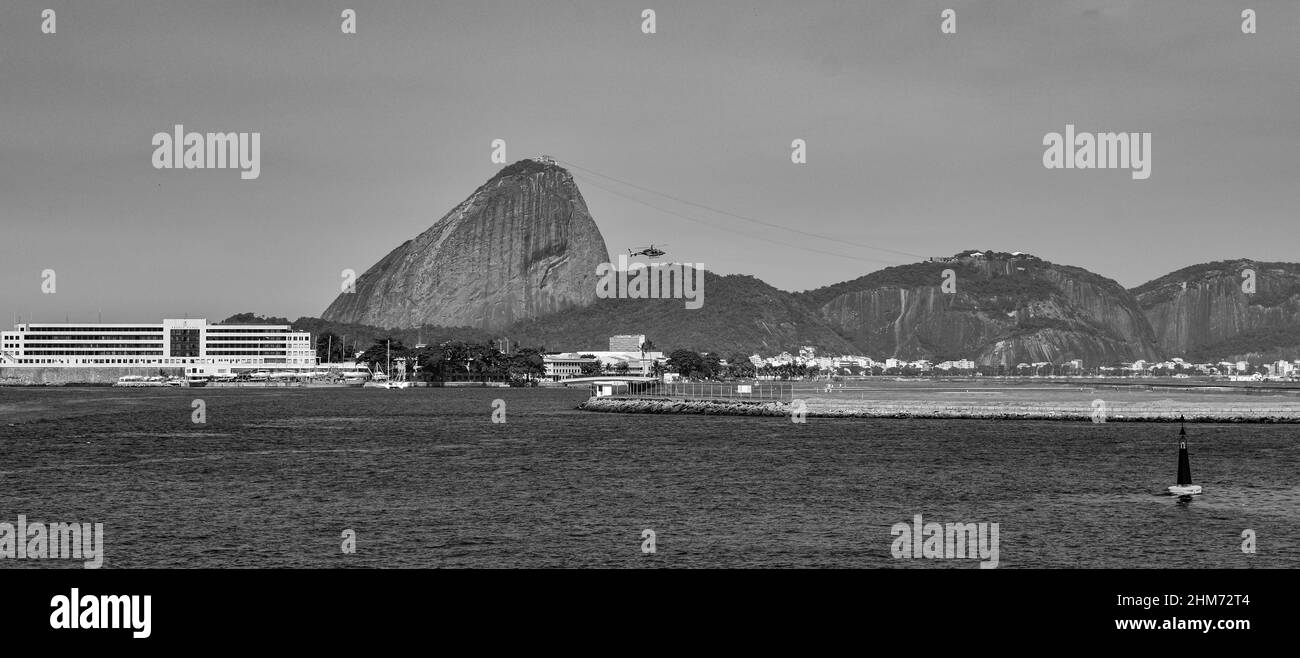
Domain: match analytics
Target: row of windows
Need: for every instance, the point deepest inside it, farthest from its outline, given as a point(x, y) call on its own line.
point(156, 330)
point(246, 339)
point(114, 361)
point(265, 346)
point(154, 338)
point(156, 361)
point(109, 348)
point(31, 345)
point(31, 337)
point(238, 353)
point(96, 353)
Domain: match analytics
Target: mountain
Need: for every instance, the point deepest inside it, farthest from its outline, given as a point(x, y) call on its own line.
point(523, 245)
point(520, 258)
point(740, 314)
point(1203, 312)
point(1006, 309)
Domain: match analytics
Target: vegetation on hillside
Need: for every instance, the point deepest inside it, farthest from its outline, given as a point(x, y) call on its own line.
point(1218, 267)
point(1280, 341)
point(976, 289)
point(740, 314)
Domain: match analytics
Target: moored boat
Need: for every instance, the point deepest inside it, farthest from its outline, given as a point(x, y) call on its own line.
point(139, 381)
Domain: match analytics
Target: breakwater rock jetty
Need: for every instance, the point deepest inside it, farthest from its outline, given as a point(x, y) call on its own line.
point(658, 405)
point(1086, 410)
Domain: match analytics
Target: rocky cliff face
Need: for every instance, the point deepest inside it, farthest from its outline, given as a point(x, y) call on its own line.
point(1006, 310)
point(521, 246)
point(1203, 309)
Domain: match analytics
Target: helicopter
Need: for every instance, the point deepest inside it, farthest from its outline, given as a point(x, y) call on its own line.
point(650, 252)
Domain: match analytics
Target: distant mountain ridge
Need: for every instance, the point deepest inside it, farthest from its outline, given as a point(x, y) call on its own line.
point(519, 259)
point(1005, 309)
point(1203, 310)
point(740, 314)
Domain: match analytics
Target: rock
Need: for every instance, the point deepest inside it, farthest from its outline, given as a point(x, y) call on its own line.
point(521, 246)
point(1006, 310)
point(1202, 310)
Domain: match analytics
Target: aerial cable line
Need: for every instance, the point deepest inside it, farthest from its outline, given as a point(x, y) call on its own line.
point(748, 235)
point(742, 217)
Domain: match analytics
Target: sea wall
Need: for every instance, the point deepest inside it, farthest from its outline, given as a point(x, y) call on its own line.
point(27, 376)
point(1243, 412)
point(631, 405)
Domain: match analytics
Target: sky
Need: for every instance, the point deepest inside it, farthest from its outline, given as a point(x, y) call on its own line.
point(918, 143)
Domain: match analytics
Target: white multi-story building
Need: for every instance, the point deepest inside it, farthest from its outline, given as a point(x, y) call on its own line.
point(568, 365)
point(192, 344)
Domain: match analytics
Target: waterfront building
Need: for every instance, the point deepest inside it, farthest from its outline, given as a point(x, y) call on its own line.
point(195, 345)
point(568, 365)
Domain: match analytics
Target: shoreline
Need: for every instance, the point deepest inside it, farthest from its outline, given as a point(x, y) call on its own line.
point(815, 408)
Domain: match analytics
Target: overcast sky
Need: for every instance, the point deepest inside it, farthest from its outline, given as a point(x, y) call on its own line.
point(918, 143)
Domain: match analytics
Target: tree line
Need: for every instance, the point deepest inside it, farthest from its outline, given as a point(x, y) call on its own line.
point(457, 360)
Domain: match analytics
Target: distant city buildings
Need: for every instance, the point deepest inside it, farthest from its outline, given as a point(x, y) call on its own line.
point(625, 358)
point(962, 364)
point(1174, 367)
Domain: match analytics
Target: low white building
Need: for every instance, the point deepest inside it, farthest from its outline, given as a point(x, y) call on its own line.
point(638, 363)
point(568, 365)
point(193, 344)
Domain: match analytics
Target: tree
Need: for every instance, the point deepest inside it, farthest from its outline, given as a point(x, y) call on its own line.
point(329, 348)
point(526, 363)
point(253, 318)
point(455, 357)
point(740, 366)
point(382, 349)
point(711, 365)
point(590, 368)
point(685, 363)
point(485, 360)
